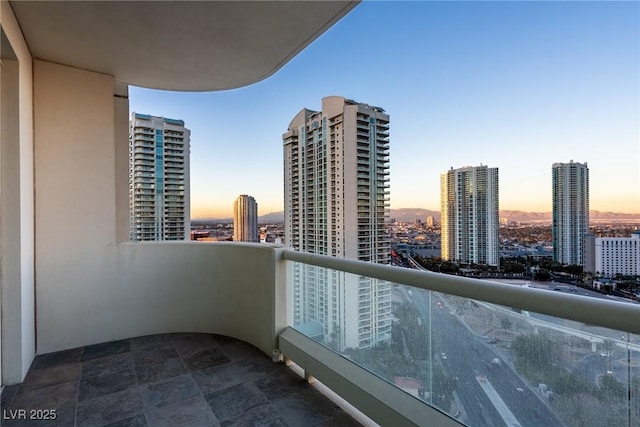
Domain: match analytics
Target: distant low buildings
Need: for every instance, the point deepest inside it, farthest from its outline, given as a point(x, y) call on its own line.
point(199, 235)
point(272, 233)
point(610, 256)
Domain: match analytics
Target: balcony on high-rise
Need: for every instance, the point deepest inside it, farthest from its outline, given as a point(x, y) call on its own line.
point(98, 330)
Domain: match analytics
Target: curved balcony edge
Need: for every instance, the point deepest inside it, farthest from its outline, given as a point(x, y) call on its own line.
point(137, 289)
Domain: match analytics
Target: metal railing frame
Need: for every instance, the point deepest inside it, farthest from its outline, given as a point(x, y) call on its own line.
point(622, 316)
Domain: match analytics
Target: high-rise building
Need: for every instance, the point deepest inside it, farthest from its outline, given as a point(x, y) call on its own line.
point(610, 256)
point(430, 221)
point(469, 219)
point(570, 211)
point(158, 178)
point(336, 178)
point(245, 219)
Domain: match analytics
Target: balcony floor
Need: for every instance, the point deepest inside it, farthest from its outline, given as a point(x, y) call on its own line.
point(167, 380)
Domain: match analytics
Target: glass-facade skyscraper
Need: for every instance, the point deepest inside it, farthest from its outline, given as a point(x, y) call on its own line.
point(245, 219)
point(570, 211)
point(470, 215)
point(158, 178)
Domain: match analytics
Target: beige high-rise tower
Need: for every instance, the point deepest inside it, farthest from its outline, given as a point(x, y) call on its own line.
point(336, 179)
point(245, 219)
point(336, 166)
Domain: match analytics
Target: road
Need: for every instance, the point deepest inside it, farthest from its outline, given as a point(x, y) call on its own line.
point(467, 356)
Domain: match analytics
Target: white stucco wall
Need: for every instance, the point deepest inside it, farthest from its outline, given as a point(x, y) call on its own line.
point(224, 288)
point(161, 287)
point(18, 326)
point(92, 289)
point(75, 196)
point(10, 267)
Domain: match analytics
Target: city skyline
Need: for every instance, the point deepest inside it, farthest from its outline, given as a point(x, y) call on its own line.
point(516, 85)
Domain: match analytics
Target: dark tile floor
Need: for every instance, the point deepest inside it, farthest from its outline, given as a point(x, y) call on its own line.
point(169, 380)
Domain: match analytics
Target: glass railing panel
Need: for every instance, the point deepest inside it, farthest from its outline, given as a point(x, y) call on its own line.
point(481, 363)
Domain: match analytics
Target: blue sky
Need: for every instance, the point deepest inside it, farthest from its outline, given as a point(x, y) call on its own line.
point(514, 85)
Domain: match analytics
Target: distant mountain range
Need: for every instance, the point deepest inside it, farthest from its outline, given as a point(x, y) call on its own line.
point(594, 216)
point(270, 218)
point(411, 214)
point(273, 217)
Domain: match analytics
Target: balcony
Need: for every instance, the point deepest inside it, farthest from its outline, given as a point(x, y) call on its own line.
point(465, 350)
point(73, 288)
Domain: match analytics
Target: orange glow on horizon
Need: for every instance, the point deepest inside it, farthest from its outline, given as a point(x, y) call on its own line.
point(200, 211)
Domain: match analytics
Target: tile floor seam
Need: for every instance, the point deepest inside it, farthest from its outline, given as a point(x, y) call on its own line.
point(146, 410)
point(198, 387)
point(135, 374)
point(184, 365)
point(75, 415)
point(200, 393)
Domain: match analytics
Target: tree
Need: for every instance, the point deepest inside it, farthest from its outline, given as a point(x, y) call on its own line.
point(538, 357)
point(580, 410)
point(505, 323)
point(612, 388)
point(542, 276)
point(443, 387)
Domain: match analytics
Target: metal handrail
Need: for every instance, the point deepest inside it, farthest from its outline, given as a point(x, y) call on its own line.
point(617, 315)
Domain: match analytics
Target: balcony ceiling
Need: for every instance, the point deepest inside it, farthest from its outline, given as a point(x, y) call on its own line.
point(176, 45)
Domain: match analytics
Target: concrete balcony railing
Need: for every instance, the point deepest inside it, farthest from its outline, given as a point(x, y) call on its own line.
point(460, 361)
point(161, 287)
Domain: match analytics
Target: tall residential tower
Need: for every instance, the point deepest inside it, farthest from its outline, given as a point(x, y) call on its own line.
point(336, 178)
point(470, 215)
point(337, 181)
point(158, 178)
point(570, 211)
point(245, 219)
